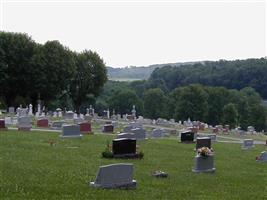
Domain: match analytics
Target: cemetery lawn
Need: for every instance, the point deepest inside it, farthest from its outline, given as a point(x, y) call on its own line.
point(32, 169)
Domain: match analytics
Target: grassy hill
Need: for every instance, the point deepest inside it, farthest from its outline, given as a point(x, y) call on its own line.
point(32, 169)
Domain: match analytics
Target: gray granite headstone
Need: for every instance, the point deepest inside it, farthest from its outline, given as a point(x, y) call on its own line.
point(204, 164)
point(157, 133)
point(126, 135)
point(25, 123)
point(139, 133)
point(22, 112)
point(71, 131)
point(248, 144)
point(8, 121)
point(11, 110)
point(57, 125)
point(115, 176)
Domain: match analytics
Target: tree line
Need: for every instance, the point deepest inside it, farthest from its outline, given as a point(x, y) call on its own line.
point(51, 72)
point(213, 105)
point(235, 74)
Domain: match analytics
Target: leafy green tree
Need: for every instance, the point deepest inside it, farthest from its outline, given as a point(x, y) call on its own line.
point(54, 68)
point(191, 101)
point(155, 103)
point(230, 115)
point(217, 98)
point(258, 114)
point(123, 101)
point(89, 78)
point(16, 51)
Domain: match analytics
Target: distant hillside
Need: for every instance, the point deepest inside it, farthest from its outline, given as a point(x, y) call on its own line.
point(137, 73)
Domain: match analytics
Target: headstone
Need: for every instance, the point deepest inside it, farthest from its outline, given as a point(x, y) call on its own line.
point(187, 136)
point(59, 114)
point(2, 124)
point(139, 133)
point(85, 127)
point(204, 164)
point(108, 128)
point(213, 137)
point(8, 121)
point(157, 133)
point(22, 112)
point(30, 109)
point(203, 142)
point(70, 131)
point(248, 144)
point(24, 123)
point(263, 157)
point(123, 146)
point(77, 120)
point(57, 125)
point(69, 115)
point(127, 129)
point(126, 135)
point(43, 123)
point(11, 110)
point(115, 176)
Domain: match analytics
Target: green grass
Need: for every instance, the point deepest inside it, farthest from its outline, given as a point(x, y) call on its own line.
point(31, 169)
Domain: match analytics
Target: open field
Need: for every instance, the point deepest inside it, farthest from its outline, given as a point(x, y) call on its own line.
point(32, 169)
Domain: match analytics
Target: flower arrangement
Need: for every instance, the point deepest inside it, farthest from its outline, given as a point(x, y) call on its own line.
point(205, 151)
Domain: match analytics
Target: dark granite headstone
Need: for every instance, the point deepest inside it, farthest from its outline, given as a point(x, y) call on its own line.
point(108, 128)
point(124, 146)
point(203, 142)
point(187, 136)
point(2, 124)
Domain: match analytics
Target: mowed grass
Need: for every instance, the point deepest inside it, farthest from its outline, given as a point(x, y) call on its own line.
point(32, 169)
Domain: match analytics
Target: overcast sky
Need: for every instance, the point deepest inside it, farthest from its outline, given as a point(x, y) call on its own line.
point(137, 33)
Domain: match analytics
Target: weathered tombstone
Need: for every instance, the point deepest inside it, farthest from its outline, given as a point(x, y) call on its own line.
point(22, 112)
point(8, 121)
point(69, 115)
point(204, 164)
point(263, 157)
point(11, 110)
point(57, 125)
point(123, 147)
point(248, 144)
point(157, 133)
point(115, 124)
point(126, 135)
point(108, 128)
point(77, 120)
point(70, 131)
point(115, 176)
point(43, 123)
point(187, 136)
point(85, 127)
point(139, 133)
point(203, 142)
point(127, 129)
point(24, 123)
point(213, 137)
point(2, 125)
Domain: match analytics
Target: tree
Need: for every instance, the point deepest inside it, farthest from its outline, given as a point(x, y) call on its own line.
point(54, 68)
point(89, 78)
point(155, 103)
point(191, 102)
point(123, 101)
point(230, 115)
point(16, 52)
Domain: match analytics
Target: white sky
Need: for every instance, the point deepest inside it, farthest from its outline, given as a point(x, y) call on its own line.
point(138, 33)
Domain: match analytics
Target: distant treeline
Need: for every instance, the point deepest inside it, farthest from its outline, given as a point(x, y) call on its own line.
point(230, 74)
point(213, 105)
